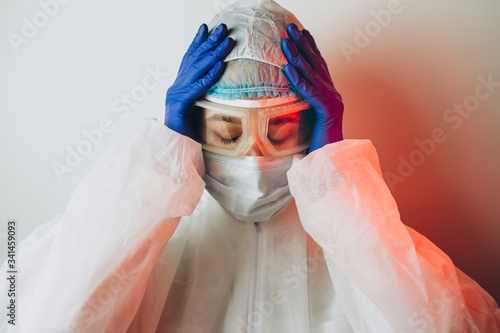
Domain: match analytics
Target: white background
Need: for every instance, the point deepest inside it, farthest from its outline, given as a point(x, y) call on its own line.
point(397, 87)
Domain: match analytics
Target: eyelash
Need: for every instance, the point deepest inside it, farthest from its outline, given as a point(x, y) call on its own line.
point(228, 141)
point(276, 142)
point(233, 140)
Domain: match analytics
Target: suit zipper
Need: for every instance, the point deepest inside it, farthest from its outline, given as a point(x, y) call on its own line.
point(256, 281)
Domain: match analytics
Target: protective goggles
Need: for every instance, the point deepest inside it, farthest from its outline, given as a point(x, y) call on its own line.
point(277, 131)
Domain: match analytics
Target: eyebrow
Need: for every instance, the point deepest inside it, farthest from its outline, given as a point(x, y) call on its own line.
point(227, 119)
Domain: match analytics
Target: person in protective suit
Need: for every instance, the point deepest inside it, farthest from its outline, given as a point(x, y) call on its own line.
point(246, 211)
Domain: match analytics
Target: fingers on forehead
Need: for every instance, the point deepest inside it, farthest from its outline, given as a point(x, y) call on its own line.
point(219, 33)
point(301, 64)
point(311, 40)
point(305, 44)
point(201, 35)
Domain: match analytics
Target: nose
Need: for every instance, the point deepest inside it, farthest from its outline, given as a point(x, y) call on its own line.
point(254, 150)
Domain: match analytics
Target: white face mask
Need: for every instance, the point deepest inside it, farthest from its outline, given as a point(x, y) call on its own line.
point(250, 189)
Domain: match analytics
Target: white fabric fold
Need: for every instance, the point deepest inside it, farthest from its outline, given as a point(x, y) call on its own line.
point(379, 266)
point(338, 259)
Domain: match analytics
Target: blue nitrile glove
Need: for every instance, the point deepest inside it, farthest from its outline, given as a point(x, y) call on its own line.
point(308, 73)
point(201, 67)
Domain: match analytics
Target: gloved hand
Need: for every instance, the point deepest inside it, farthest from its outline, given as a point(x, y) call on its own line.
point(201, 67)
point(308, 73)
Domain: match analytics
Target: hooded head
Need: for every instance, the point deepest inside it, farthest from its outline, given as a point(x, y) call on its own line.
point(253, 67)
point(252, 189)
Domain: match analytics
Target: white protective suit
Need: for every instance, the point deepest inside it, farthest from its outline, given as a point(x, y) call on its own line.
point(142, 247)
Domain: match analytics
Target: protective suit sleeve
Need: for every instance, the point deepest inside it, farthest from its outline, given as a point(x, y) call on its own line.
point(88, 270)
point(389, 278)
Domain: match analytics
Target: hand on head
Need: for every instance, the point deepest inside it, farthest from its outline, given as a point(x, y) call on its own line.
point(201, 67)
point(308, 73)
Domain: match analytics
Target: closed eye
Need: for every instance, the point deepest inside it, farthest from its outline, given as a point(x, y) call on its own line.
point(228, 141)
point(276, 142)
